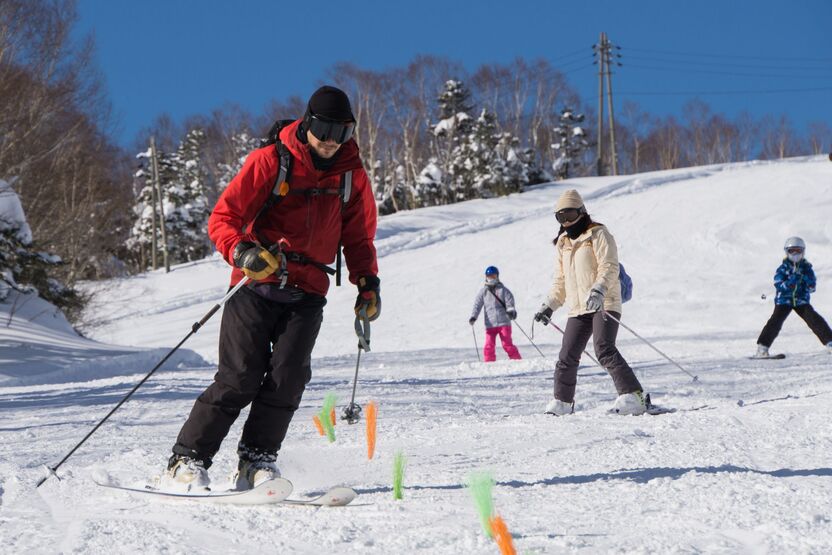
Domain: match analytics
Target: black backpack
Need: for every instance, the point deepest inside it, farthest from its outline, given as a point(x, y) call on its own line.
point(282, 188)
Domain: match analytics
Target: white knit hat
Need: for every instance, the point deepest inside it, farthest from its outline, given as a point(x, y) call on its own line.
point(569, 199)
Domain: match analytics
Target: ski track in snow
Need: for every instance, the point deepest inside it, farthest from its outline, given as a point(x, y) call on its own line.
point(748, 473)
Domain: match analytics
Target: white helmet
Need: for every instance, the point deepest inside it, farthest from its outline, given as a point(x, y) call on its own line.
point(793, 242)
point(794, 247)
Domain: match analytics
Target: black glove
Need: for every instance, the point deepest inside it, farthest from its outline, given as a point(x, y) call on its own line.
point(544, 314)
point(369, 297)
point(472, 320)
point(256, 262)
point(512, 314)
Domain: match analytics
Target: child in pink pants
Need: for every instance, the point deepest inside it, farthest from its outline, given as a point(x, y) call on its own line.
point(497, 304)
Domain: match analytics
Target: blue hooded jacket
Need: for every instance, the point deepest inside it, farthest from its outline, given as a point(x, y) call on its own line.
point(794, 283)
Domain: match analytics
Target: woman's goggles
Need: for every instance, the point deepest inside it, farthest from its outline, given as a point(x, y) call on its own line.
point(568, 215)
point(794, 250)
point(327, 130)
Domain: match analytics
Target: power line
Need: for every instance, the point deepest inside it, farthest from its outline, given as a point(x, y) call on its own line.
point(587, 66)
point(704, 55)
point(732, 73)
point(713, 93)
point(569, 55)
point(721, 64)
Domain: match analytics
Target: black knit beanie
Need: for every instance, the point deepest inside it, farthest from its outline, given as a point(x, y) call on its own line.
point(330, 103)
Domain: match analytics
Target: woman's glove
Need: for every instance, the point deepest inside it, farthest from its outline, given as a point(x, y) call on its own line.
point(595, 300)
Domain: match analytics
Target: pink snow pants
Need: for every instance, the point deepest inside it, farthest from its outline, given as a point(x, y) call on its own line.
point(488, 349)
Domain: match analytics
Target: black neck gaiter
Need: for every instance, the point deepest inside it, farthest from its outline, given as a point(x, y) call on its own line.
point(321, 164)
point(575, 230)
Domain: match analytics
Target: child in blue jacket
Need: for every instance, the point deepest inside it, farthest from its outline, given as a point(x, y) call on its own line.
point(795, 282)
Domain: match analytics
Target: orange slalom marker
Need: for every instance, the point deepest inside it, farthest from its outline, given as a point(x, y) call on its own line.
point(332, 416)
point(502, 536)
point(318, 424)
point(372, 412)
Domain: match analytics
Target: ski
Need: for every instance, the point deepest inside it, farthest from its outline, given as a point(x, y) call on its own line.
point(778, 356)
point(660, 409)
point(269, 492)
point(335, 497)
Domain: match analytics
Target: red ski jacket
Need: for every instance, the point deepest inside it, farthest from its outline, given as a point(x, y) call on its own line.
point(311, 224)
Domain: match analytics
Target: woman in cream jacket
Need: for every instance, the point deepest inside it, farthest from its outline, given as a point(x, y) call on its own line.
point(587, 283)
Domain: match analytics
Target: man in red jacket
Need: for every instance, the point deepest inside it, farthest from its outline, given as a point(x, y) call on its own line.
point(269, 327)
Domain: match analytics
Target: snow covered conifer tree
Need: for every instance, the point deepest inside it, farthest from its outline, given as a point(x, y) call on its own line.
point(475, 164)
point(430, 187)
point(242, 143)
point(570, 144)
point(140, 237)
point(449, 134)
point(186, 201)
point(23, 268)
point(396, 194)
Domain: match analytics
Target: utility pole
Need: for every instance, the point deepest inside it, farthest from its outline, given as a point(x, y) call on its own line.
point(610, 62)
point(153, 203)
point(157, 193)
point(600, 60)
point(603, 52)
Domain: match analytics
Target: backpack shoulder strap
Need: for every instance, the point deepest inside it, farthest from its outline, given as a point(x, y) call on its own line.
point(284, 172)
point(345, 190)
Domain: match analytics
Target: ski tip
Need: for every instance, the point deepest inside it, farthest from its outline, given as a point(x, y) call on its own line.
point(338, 497)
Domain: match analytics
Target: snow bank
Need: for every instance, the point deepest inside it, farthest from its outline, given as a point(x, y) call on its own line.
point(39, 346)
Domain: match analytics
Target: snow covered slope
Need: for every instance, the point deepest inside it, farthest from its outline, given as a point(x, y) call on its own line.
point(743, 467)
point(38, 346)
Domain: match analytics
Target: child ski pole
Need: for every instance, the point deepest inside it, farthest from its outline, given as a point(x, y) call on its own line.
point(476, 347)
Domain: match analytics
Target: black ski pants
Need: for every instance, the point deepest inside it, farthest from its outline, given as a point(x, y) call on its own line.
point(781, 311)
point(577, 334)
point(265, 354)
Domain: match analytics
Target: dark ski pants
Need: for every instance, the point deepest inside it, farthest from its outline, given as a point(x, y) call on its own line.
point(265, 353)
point(781, 311)
point(577, 334)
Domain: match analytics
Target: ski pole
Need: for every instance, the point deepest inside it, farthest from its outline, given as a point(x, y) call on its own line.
point(195, 328)
point(592, 358)
point(476, 347)
point(530, 339)
point(628, 328)
point(352, 412)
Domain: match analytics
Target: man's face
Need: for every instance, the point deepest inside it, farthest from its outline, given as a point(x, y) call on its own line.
point(324, 149)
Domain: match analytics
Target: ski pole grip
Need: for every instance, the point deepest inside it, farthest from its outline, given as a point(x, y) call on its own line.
point(362, 329)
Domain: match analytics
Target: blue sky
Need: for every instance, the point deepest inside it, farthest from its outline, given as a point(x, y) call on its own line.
point(186, 57)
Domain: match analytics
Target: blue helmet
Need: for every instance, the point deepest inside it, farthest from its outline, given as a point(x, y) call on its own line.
point(492, 270)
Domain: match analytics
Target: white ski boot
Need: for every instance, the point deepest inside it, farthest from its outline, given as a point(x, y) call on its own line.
point(251, 474)
point(630, 404)
point(185, 474)
point(560, 408)
point(762, 352)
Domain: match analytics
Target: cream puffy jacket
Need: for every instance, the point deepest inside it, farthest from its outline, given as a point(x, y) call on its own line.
point(590, 261)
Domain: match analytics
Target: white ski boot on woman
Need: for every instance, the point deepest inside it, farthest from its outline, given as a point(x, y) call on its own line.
point(630, 404)
point(560, 408)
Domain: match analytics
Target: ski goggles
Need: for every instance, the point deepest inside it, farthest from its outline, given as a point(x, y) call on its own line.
point(568, 215)
point(328, 130)
point(794, 250)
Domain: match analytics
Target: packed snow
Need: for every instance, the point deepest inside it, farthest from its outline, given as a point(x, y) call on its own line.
point(742, 467)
